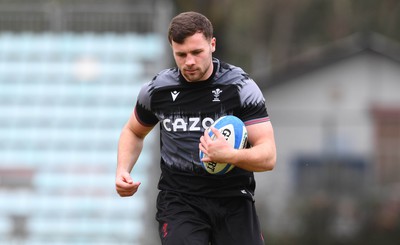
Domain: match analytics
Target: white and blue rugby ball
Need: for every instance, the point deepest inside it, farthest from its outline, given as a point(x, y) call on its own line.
point(235, 133)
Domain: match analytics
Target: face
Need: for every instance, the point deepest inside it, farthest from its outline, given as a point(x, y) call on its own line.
point(194, 57)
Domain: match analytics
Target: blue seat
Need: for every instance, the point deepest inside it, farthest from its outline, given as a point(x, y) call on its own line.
point(5, 227)
point(61, 118)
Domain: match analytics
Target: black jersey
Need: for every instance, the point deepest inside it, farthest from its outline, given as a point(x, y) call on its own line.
point(184, 110)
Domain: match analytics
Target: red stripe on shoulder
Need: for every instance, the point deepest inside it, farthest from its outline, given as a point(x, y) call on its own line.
point(257, 120)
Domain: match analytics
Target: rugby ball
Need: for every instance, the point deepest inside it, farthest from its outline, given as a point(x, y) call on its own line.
point(234, 131)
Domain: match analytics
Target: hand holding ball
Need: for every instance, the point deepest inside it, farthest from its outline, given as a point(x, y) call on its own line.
point(234, 132)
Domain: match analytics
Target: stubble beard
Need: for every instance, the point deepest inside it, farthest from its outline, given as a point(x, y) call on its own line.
point(198, 76)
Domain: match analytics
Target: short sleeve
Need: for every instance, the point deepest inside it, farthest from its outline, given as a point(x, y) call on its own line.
point(143, 107)
point(253, 108)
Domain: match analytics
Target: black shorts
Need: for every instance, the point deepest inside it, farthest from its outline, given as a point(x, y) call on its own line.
point(193, 220)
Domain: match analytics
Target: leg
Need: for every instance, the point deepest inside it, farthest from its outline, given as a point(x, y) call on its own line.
point(180, 223)
point(238, 224)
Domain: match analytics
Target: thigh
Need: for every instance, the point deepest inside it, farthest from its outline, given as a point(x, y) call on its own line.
point(239, 224)
point(180, 223)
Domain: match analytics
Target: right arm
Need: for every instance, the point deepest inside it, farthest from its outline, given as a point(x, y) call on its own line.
point(129, 148)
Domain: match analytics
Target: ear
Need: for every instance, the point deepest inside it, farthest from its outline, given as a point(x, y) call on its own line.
point(213, 44)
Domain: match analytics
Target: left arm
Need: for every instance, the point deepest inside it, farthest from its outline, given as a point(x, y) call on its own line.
point(260, 157)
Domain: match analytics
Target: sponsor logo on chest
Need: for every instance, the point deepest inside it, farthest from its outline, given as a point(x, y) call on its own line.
point(186, 124)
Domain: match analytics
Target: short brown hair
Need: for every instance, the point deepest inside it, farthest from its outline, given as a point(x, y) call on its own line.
point(187, 24)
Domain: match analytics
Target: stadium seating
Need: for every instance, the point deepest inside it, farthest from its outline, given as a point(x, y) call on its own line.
point(63, 101)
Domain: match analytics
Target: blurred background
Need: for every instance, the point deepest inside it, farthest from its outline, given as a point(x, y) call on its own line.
point(70, 72)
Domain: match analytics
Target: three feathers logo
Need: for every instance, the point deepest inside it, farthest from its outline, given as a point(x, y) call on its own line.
point(217, 92)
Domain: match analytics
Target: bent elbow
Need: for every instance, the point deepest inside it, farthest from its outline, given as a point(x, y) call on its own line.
point(270, 163)
point(271, 166)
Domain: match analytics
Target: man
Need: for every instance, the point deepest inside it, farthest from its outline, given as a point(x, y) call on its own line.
point(193, 206)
